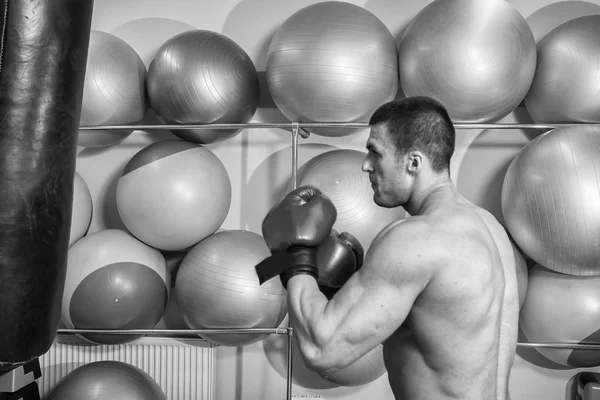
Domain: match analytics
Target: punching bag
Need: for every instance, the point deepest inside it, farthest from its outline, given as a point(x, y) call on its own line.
point(42, 67)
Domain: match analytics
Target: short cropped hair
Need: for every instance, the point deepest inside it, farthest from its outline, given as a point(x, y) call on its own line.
point(419, 123)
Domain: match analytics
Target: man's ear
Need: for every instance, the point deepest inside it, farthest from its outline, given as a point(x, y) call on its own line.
point(415, 162)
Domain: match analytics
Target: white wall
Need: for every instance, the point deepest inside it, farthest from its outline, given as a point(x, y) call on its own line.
point(259, 163)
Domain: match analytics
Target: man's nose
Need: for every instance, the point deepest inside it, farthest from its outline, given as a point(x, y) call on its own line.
point(366, 165)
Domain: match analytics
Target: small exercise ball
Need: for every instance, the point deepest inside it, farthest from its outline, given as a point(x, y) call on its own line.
point(562, 308)
point(114, 90)
point(332, 62)
point(365, 370)
point(203, 77)
point(551, 199)
point(567, 79)
point(173, 193)
point(476, 57)
point(107, 380)
point(82, 209)
point(338, 175)
point(114, 281)
point(217, 288)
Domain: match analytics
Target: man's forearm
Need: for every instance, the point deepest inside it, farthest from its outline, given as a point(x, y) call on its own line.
point(307, 306)
point(316, 327)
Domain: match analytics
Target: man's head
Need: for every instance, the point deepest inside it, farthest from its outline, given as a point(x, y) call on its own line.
point(411, 138)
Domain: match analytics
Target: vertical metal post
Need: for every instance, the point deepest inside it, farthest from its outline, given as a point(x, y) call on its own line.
point(290, 331)
point(295, 132)
point(289, 360)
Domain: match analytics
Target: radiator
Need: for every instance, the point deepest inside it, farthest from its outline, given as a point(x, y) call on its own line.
point(184, 371)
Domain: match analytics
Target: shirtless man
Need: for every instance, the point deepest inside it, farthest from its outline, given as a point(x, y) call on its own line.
point(437, 289)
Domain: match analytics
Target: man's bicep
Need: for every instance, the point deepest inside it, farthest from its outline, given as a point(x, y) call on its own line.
point(388, 297)
point(380, 295)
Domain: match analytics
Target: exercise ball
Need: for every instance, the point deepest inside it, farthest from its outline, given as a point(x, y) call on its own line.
point(82, 209)
point(480, 171)
point(562, 308)
point(114, 90)
point(476, 57)
point(173, 193)
point(114, 281)
point(551, 199)
point(217, 288)
point(543, 20)
point(203, 77)
point(365, 370)
point(567, 79)
point(338, 175)
point(332, 62)
point(107, 380)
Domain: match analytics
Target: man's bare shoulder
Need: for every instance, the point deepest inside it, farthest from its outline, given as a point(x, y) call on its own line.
point(425, 243)
point(405, 247)
point(428, 235)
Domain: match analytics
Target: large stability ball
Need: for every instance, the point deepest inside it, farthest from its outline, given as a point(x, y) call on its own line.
point(217, 287)
point(332, 62)
point(114, 91)
point(338, 174)
point(365, 370)
point(567, 79)
point(203, 77)
point(114, 281)
point(551, 200)
point(477, 57)
point(107, 380)
point(173, 193)
point(481, 170)
point(82, 210)
point(562, 308)
point(546, 18)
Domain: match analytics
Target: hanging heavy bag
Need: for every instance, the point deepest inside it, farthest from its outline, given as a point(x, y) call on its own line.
point(42, 67)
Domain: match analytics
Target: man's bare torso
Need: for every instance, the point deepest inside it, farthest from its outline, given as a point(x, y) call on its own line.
point(459, 339)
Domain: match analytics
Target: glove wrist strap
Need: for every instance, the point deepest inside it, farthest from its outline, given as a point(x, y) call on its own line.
point(304, 262)
point(295, 260)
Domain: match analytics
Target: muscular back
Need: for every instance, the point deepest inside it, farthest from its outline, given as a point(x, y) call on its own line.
point(459, 338)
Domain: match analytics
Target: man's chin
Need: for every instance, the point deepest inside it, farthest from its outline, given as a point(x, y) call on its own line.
point(382, 202)
point(379, 201)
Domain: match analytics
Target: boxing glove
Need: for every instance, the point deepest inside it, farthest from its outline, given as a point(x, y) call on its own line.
point(338, 257)
point(293, 230)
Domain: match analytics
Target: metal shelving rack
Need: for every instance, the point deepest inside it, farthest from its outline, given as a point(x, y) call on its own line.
point(300, 129)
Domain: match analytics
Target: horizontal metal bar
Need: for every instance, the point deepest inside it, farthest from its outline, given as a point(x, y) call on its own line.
point(308, 125)
point(186, 127)
point(171, 332)
point(279, 331)
point(69, 338)
point(571, 346)
point(516, 126)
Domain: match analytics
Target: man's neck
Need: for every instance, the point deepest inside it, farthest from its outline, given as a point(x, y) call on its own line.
point(427, 196)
